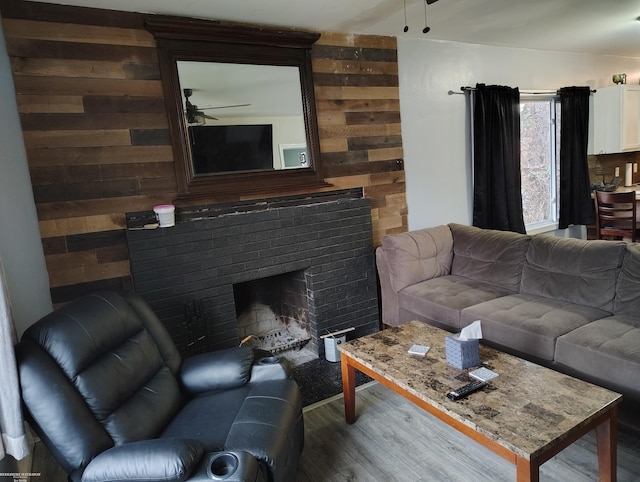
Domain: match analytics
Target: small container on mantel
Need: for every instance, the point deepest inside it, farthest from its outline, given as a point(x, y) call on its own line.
point(165, 214)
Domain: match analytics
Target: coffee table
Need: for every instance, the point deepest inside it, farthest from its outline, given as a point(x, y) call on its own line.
point(526, 415)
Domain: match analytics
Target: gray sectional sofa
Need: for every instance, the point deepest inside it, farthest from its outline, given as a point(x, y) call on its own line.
point(572, 305)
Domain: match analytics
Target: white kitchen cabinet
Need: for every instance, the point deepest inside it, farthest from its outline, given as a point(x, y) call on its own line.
point(616, 115)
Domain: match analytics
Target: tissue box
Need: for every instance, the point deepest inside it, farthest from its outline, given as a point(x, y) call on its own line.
point(462, 354)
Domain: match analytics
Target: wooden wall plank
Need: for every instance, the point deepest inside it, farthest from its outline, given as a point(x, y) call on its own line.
point(77, 138)
point(49, 104)
point(372, 117)
point(350, 40)
point(93, 121)
point(62, 261)
point(115, 104)
point(103, 172)
point(82, 156)
point(85, 274)
point(46, 49)
point(330, 66)
point(91, 207)
point(357, 105)
point(359, 80)
point(385, 154)
point(67, 32)
point(101, 87)
point(333, 145)
point(87, 69)
point(360, 130)
point(80, 225)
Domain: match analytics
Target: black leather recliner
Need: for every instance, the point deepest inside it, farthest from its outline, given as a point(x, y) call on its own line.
point(106, 390)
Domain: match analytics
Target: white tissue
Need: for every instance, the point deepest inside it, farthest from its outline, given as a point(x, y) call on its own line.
point(473, 331)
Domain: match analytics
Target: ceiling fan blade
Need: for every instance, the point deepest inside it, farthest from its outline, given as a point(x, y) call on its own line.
point(208, 116)
point(225, 106)
point(429, 2)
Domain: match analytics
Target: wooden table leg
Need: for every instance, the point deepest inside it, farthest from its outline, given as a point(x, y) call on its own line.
point(526, 470)
point(348, 389)
point(607, 443)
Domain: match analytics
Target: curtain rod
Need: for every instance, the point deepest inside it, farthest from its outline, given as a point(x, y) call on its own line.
point(526, 92)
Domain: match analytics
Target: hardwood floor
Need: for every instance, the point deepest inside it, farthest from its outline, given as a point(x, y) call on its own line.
point(393, 440)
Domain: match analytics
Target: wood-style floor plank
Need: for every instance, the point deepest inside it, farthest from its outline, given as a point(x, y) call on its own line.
point(393, 440)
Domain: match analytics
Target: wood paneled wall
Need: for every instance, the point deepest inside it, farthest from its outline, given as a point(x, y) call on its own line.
point(90, 99)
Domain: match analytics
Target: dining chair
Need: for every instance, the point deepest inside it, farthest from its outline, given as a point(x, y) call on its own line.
point(616, 214)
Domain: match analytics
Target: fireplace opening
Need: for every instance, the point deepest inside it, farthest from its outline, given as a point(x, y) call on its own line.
point(272, 315)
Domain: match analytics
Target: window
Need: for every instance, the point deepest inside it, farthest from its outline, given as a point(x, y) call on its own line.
point(539, 161)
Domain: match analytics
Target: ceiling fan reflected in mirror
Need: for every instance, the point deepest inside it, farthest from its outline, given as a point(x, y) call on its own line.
point(195, 115)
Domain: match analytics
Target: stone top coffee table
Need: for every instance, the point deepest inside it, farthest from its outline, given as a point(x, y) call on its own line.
point(526, 415)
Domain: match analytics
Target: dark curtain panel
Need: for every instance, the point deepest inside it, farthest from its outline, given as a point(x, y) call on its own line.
point(497, 196)
point(576, 206)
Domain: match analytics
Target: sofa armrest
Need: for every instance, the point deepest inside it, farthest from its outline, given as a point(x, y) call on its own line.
point(417, 256)
point(217, 370)
point(390, 303)
point(169, 460)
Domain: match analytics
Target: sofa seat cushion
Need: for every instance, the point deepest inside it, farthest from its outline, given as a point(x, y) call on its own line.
point(441, 299)
point(607, 350)
point(529, 324)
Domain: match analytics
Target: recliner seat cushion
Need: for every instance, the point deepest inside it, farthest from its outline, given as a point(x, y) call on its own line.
point(197, 420)
point(527, 323)
point(573, 270)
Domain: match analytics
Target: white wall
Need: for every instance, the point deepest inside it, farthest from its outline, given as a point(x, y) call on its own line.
point(20, 245)
point(435, 128)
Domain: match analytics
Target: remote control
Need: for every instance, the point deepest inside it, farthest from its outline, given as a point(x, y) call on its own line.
point(465, 390)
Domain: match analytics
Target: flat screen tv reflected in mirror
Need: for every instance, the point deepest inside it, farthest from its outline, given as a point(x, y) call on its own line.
point(232, 148)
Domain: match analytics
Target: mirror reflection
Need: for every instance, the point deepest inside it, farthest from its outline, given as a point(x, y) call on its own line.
point(243, 117)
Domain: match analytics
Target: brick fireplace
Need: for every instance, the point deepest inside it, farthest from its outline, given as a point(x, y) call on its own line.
point(202, 274)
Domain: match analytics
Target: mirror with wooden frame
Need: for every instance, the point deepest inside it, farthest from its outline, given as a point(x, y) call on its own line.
point(193, 54)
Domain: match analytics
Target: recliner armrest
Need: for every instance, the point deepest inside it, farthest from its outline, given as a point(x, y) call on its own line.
point(169, 460)
point(217, 370)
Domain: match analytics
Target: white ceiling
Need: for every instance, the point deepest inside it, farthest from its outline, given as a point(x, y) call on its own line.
point(605, 27)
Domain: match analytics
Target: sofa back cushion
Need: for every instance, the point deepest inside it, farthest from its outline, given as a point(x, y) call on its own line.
point(574, 270)
point(627, 299)
point(418, 255)
point(490, 256)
